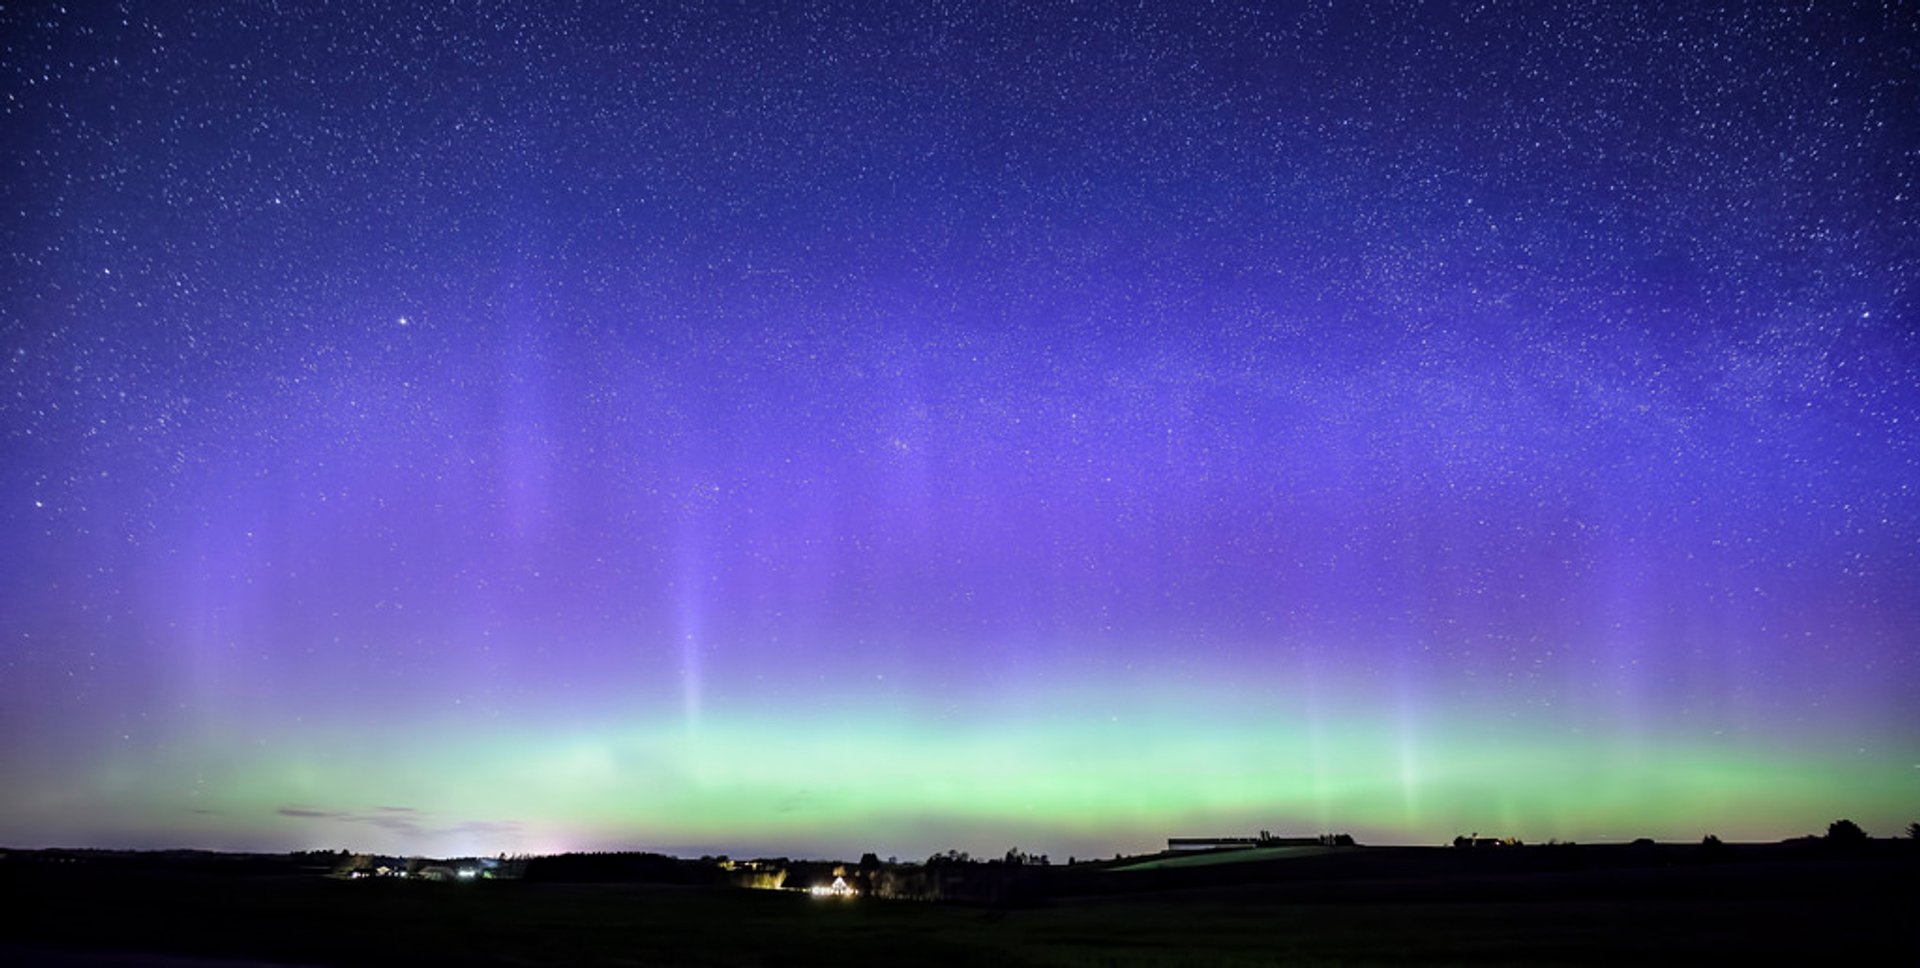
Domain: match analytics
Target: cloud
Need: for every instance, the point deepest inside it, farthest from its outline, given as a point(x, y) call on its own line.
point(486, 827)
point(388, 822)
point(410, 821)
point(403, 819)
point(306, 814)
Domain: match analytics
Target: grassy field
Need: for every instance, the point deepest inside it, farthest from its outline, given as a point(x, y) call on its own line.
point(1212, 858)
point(1820, 911)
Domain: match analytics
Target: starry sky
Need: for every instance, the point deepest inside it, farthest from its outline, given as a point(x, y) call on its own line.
point(824, 427)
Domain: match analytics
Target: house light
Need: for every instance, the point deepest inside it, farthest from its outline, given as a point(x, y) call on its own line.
point(839, 888)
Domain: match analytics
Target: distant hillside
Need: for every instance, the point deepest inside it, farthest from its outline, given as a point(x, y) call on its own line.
point(1213, 858)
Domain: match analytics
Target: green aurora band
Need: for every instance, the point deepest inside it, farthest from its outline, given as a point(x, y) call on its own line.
point(1071, 776)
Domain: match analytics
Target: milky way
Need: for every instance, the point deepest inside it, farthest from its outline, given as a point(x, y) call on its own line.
point(847, 427)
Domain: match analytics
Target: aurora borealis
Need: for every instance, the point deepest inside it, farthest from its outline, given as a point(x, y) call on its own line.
point(815, 428)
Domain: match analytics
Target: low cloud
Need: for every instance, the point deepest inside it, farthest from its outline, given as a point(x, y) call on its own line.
point(306, 814)
point(410, 821)
point(388, 822)
point(486, 827)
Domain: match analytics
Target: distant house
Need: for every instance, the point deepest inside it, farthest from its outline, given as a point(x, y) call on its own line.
point(839, 888)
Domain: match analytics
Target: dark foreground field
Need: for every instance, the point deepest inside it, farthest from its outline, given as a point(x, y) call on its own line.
point(1596, 905)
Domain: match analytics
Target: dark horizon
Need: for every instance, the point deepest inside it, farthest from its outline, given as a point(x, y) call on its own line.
point(1845, 902)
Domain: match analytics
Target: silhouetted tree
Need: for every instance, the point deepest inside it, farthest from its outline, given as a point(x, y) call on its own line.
point(1845, 832)
point(1710, 841)
point(868, 874)
point(1913, 831)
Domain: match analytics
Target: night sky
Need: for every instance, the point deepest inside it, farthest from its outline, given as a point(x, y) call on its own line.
point(907, 426)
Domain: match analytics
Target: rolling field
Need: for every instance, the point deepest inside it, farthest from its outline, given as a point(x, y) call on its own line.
point(1217, 857)
point(1836, 911)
